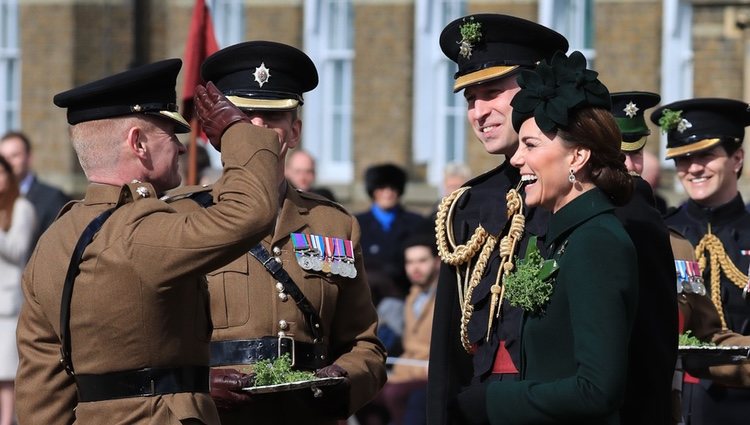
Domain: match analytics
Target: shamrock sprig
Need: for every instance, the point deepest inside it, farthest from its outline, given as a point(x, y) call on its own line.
point(278, 371)
point(530, 285)
point(471, 32)
point(673, 120)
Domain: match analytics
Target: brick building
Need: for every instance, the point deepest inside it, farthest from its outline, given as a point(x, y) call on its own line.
point(385, 92)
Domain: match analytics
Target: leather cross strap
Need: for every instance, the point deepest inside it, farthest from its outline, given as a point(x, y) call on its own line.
point(70, 277)
point(274, 268)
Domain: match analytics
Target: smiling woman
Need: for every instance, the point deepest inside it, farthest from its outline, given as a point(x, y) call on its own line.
point(575, 348)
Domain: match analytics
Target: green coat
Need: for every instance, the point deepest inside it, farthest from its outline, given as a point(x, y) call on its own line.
point(575, 354)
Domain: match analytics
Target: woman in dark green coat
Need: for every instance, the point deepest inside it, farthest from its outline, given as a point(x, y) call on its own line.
point(578, 314)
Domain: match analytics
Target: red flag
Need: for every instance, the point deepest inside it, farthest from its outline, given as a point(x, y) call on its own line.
point(201, 43)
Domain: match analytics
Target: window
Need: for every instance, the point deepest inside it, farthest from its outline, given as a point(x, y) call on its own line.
point(676, 59)
point(10, 67)
point(327, 129)
point(575, 20)
point(229, 21)
point(438, 129)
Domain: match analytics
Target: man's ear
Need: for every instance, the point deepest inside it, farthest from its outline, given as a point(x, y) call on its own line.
point(295, 135)
point(738, 158)
point(137, 142)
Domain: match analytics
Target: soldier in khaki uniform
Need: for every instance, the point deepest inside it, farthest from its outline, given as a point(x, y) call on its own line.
point(135, 332)
point(257, 316)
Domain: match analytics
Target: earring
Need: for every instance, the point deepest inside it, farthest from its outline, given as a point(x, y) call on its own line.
point(571, 177)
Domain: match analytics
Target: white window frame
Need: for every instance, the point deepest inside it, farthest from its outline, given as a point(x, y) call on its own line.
point(570, 18)
point(439, 123)
point(328, 111)
point(228, 17)
point(10, 67)
point(676, 58)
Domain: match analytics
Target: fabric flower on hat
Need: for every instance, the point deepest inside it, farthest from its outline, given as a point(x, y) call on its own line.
point(551, 91)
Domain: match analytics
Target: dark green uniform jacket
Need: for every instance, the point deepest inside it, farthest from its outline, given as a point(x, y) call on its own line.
point(575, 354)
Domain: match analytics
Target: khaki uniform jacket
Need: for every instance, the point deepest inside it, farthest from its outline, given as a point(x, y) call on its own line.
point(416, 338)
point(140, 299)
point(245, 304)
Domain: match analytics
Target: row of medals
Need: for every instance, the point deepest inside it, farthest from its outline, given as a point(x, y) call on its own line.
point(312, 259)
point(689, 279)
point(309, 250)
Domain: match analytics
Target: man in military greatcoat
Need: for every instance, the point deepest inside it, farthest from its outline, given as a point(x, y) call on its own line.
point(472, 344)
point(319, 312)
point(704, 137)
point(115, 326)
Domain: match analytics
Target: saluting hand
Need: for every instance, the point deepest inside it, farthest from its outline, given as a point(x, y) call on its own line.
point(216, 113)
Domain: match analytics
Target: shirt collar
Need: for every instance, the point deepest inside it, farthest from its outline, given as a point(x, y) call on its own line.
point(26, 183)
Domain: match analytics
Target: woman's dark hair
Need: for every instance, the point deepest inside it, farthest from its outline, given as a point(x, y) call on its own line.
point(596, 130)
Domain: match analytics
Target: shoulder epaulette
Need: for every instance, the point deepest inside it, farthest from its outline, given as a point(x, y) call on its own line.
point(320, 198)
point(200, 194)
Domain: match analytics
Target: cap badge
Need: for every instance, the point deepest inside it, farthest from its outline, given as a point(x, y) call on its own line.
point(262, 74)
point(672, 120)
point(630, 109)
point(471, 32)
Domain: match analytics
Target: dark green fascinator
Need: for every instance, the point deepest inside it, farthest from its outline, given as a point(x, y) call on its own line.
point(550, 92)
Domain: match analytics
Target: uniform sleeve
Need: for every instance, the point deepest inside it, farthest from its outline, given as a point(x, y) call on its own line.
point(601, 288)
point(16, 242)
point(353, 334)
point(39, 367)
point(450, 367)
point(245, 205)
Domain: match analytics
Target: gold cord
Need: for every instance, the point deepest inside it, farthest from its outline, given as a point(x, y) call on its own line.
point(461, 256)
point(719, 262)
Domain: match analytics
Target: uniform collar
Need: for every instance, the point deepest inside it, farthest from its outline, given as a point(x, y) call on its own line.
point(719, 215)
point(293, 215)
point(97, 193)
point(579, 210)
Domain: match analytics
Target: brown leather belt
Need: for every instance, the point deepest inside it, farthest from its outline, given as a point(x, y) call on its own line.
point(303, 355)
point(142, 383)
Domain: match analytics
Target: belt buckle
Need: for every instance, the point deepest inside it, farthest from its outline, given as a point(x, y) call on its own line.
point(291, 340)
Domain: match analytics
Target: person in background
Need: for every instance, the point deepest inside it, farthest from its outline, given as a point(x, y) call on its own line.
point(47, 200)
point(471, 342)
point(653, 342)
point(704, 138)
point(300, 172)
point(387, 224)
point(319, 312)
point(17, 229)
point(575, 338)
point(405, 392)
point(455, 175)
point(115, 324)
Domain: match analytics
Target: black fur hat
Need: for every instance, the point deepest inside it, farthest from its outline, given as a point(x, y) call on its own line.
point(385, 175)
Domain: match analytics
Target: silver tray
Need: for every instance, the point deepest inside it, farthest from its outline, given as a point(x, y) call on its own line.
point(291, 386)
point(694, 357)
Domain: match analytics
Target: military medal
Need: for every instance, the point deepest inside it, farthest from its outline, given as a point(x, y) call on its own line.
point(317, 259)
point(696, 281)
point(351, 269)
point(302, 250)
point(682, 278)
point(327, 254)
